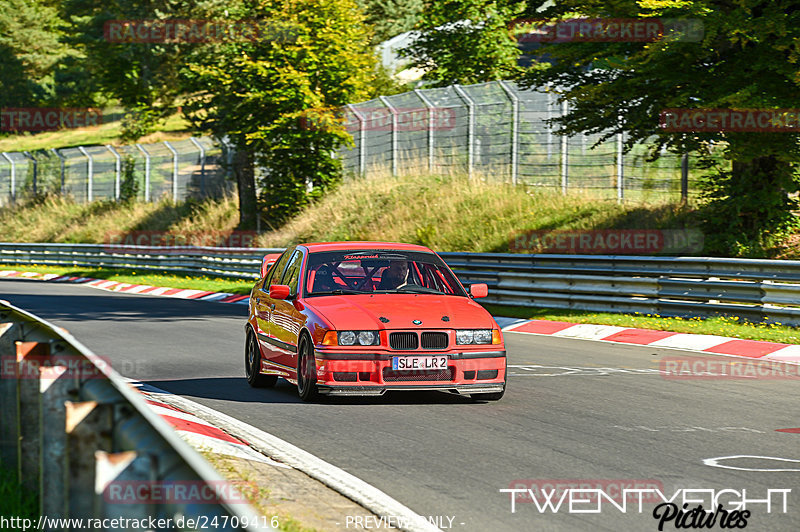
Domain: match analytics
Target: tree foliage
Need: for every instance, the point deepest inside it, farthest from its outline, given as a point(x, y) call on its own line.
point(466, 41)
point(747, 59)
point(277, 97)
point(30, 50)
point(142, 76)
point(390, 18)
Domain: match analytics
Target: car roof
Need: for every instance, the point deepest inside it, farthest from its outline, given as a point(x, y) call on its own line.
point(339, 246)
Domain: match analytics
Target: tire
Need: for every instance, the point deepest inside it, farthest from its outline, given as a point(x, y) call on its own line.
point(306, 371)
point(252, 364)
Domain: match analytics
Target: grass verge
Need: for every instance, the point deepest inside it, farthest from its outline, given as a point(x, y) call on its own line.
point(16, 501)
point(241, 476)
point(722, 326)
point(174, 127)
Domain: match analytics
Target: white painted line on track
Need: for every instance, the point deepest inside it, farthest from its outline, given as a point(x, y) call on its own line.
point(348, 485)
point(714, 462)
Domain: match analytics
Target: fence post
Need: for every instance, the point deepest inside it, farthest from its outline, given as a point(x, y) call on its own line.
point(174, 170)
point(549, 111)
point(117, 169)
point(620, 168)
point(393, 111)
point(146, 172)
point(61, 158)
point(362, 140)
point(202, 165)
point(90, 170)
point(564, 153)
point(471, 131)
point(13, 177)
point(28, 155)
point(514, 131)
point(685, 178)
point(431, 136)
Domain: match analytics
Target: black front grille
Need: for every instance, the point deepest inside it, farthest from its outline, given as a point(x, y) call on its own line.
point(486, 374)
point(469, 375)
point(434, 340)
point(430, 375)
point(344, 376)
point(403, 340)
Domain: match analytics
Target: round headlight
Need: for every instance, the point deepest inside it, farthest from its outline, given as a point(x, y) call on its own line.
point(464, 337)
point(483, 336)
point(366, 338)
point(347, 338)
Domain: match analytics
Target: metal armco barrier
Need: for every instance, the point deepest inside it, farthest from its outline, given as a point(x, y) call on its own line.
point(755, 289)
point(243, 263)
point(74, 430)
point(759, 290)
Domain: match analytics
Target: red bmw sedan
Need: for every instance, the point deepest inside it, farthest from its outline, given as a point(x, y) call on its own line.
point(363, 318)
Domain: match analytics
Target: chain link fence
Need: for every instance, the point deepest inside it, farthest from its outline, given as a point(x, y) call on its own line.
point(182, 169)
point(500, 131)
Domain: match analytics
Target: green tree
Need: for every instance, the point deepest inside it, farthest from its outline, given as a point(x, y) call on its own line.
point(390, 18)
point(142, 76)
point(277, 98)
point(466, 41)
point(746, 58)
point(29, 52)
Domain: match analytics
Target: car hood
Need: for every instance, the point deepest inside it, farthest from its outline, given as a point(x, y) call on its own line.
point(364, 312)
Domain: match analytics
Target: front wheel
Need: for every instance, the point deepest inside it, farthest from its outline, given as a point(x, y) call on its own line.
point(306, 371)
point(252, 364)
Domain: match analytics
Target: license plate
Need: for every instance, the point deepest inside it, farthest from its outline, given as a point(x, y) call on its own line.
point(418, 363)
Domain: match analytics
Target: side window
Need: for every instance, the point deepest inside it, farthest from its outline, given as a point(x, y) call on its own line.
point(292, 274)
point(277, 267)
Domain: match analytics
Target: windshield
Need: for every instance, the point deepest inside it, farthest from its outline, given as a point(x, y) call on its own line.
point(379, 272)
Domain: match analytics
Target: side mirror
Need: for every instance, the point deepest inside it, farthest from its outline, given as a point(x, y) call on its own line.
point(478, 290)
point(279, 291)
point(267, 262)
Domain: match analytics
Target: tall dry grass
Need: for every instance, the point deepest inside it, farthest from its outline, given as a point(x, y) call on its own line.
point(444, 212)
point(455, 213)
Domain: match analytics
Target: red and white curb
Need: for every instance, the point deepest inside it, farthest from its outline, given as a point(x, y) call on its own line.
point(702, 343)
point(198, 433)
point(114, 286)
point(200, 426)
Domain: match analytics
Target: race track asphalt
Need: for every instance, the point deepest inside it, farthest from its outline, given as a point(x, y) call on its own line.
point(575, 410)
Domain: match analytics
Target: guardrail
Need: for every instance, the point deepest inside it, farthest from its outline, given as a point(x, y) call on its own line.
point(73, 430)
point(755, 289)
point(242, 263)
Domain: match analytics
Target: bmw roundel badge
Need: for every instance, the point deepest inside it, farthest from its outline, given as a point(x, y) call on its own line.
point(417, 322)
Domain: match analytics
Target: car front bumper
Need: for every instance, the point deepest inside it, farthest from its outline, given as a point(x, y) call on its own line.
point(341, 373)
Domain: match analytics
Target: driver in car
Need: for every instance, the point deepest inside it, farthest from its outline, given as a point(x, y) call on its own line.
point(395, 276)
point(323, 280)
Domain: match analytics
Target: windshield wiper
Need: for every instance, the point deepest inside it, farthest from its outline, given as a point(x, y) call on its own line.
point(419, 289)
point(339, 292)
